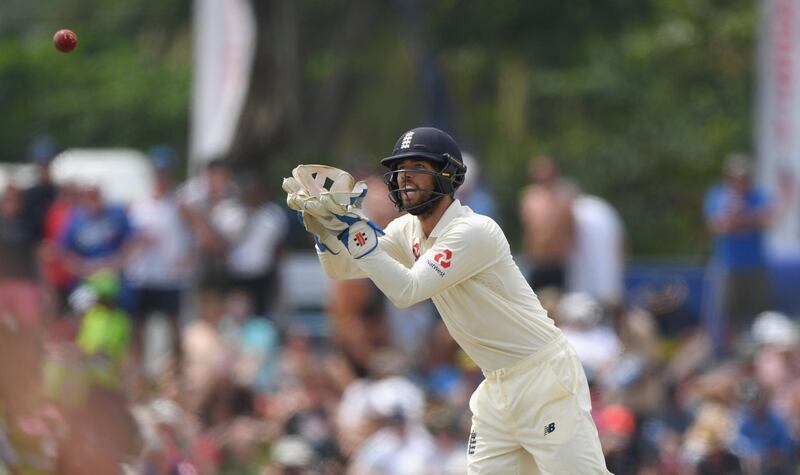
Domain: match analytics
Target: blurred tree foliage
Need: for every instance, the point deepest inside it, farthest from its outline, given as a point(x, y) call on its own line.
point(639, 100)
point(127, 84)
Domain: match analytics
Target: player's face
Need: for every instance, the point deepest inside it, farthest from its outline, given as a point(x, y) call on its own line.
point(415, 187)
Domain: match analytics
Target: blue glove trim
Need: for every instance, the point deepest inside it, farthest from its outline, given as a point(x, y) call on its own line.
point(378, 232)
point(344, 236)
point(348, 220)
point(368, 252)
point(356, 200)
point(374, 226)
point(321, 246)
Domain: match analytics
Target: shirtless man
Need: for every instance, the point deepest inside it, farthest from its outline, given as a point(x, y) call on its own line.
point(548, 228)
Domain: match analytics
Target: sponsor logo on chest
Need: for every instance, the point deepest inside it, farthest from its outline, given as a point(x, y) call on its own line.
point(415, 250)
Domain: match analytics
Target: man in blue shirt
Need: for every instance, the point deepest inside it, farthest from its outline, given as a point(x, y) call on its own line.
point(97, 236)
point(763, 437)
point(737, 214)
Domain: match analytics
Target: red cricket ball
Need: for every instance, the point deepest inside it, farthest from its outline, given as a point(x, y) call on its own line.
point(65, 40)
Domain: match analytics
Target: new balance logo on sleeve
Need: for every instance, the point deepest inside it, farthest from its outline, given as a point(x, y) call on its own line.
point(550, 428)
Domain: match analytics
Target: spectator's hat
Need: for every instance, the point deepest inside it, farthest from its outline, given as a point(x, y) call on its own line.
point(293, 451)
point(42, 150)
point(579, 308)
point(774, 328)
point(616, 419)
point(162, 157)
point(166, 411)
point(397, 395)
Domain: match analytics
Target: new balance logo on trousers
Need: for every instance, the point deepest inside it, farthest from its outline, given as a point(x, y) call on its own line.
point(473, 438)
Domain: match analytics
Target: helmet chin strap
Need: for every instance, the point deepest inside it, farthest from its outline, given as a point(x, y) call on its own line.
point(418, 209)
point(425, 206)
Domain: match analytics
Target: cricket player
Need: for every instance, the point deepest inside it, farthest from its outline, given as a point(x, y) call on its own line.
point(531, 414)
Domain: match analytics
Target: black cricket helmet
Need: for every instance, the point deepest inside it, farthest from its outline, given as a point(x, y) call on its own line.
point(432, 145)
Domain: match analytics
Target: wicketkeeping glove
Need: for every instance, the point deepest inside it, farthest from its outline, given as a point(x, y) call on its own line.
point(360, 237)
point(323, 239)
point(306, 184)
point(332, 198)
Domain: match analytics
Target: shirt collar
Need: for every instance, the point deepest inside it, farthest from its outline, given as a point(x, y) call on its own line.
point(453, 211)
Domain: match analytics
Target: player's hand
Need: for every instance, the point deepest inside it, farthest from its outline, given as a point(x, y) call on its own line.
point(361, 235)
point(331, 198)
point(313, 225)
point(309, 182)
point(323, 238)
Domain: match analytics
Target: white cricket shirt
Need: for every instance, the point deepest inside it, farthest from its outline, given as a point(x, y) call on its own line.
point(465, 267)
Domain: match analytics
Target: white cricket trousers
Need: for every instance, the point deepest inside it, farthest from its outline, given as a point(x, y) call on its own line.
point(534, 417)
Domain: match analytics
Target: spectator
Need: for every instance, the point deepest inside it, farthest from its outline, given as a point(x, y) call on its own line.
point(616, 425)
point(401, 445)
point(548, 228)
point(473, 192)
point(596, 263)
point(97, 236)
point(775, 363)
point(361, 318)
point(397, 448)
point(763, 436)
point(450, 455)
point(55, 270)
point(40, 196)
point(160, 260)
point(380, 390)
point(164, 427)
point(204, 352)
point(737, 214)
point(598, 347)
point(293, 456)
point(360, 326)
point(254, 229)
point(198, 198)
point(19, 294)
point(105, 330)
point(707, 443)
point(254, 341)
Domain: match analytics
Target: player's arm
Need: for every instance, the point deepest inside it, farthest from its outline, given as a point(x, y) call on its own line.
point(329, 201)
point(337, 262)
point(716, 212)
point(462, 252)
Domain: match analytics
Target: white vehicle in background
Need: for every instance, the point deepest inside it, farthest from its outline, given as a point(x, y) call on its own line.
point(22, 175)
point(123, 175)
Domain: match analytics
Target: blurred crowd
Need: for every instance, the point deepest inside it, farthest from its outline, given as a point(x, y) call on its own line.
point(152, 338)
